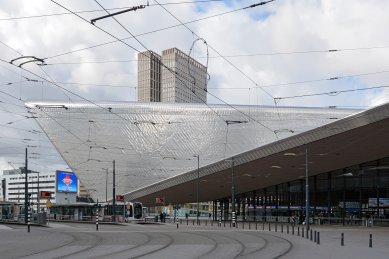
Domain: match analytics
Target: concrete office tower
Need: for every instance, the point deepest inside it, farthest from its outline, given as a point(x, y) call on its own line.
point(149, 77)
point(186, 79)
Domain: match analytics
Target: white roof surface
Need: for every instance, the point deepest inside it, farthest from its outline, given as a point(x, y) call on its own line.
point(151, 142)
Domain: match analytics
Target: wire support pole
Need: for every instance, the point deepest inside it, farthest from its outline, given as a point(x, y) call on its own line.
point(113, 194)
point(233, 216)
point(26, 203)
point(306, 190)
point(197, 188)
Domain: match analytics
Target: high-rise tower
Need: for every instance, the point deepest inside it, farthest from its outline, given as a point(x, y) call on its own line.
point(149, 77)
point(180, 79)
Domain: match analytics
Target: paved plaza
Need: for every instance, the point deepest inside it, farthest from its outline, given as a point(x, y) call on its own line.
point(75, 240)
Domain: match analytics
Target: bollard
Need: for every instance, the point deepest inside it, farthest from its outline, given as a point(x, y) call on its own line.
point(287, 229)
point(298, 231)
point(97, 220)
point(302, 232)
point(307, 233)
point(224, 222)
point(342, 240)
point(269, 227)
point(177, 220)
point(28, 218)
point(193, 222)
point(371, 240)
point(282, 228)
point(275, 227)
point(292, 230)
point(199, 222)
point(314, 237)
point(318, 238)
point(311, 235)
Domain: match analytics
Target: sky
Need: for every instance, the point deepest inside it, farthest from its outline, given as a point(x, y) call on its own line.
point(257, 56)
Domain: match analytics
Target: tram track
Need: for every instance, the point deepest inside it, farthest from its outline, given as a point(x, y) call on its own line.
point(263, 235)
point(171, 240)
point(231, 244)
point(123, 251)
point(73, 239)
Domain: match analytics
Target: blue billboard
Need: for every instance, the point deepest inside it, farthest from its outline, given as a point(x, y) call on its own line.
point(66, 182)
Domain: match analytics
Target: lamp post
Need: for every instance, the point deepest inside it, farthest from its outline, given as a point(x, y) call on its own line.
point(113, 194)
point(306, 185)
point(306, 191)
point(197, 189)
point(233, 216)
point(106, 185)
point(26, 201)
point(38, 196)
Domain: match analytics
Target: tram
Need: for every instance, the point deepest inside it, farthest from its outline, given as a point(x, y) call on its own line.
point(124, 212)
point(128, 211)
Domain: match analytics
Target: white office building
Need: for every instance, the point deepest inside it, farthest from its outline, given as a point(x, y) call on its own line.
point(14, 184)
point(173, 77)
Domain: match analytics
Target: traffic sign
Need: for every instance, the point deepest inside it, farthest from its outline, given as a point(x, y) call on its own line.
point(48, 204)
point(159, 201)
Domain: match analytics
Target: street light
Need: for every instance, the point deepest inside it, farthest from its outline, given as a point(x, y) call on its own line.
point(197, 191)
point(306, 186)
point(233, 216)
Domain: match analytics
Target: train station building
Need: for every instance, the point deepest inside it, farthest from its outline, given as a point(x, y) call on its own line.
point(260, 155)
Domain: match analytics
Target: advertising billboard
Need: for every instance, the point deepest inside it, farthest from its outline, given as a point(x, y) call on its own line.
point(383, 202)
point(66, 182)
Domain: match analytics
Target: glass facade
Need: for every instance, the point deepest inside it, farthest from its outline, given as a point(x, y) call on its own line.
point(349, 196)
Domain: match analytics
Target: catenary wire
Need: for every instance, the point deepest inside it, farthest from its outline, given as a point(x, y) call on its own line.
point(177, 76)
point(332, 93)
point(143, 34)
point(110, 9)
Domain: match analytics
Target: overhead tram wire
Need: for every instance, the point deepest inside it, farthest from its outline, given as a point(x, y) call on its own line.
point(142, 34)
point(326, 79)
point(177, 76)
point(231, 106)
point(79, 96)
point(110, 9)
point(227, 56)
point(75, 94)
point(333, 93)
point(169, 69)
point(108, 33)
point(28, 79)
point(217, 52)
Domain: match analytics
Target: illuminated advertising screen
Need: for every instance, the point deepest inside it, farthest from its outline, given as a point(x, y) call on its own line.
point(66, 182)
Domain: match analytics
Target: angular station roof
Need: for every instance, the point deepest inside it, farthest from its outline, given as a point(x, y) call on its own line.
point(154, 144)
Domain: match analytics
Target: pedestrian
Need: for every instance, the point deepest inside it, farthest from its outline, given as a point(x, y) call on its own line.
point(161, 217)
